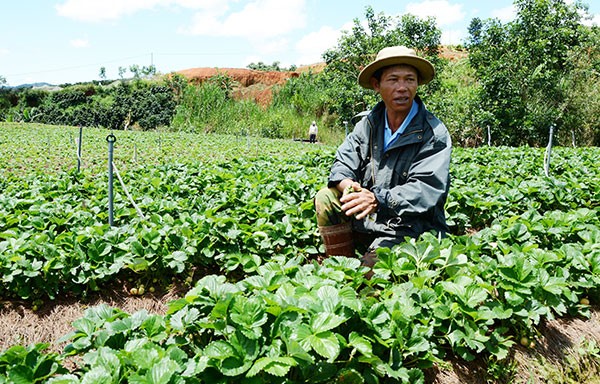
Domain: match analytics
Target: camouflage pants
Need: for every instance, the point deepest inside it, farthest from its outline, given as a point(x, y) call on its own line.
point(329, 208)
point(329, 212)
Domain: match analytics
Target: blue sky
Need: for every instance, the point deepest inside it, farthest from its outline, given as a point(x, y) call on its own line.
point(60, 41)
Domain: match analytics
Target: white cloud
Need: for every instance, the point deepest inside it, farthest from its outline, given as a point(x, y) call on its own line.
point(268, 52)
point(595, 20)
point(453, 36)
point(197, 4)
point(80, 43)
point(103, 10)
point(4, 52)
point(505, 14)
point(311, 47)
point(259, 19)
point(444, 12)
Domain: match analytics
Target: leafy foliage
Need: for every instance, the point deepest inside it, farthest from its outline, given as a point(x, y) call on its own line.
point(526, 69)
point(519, 79)
point(358, 47)
point(235, 218)
point(260, 66)
point(146, 104)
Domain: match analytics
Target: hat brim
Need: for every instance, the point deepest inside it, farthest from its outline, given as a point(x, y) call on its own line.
point(423, 66)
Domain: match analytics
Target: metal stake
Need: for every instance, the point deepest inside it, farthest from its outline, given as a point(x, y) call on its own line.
point(111, 140)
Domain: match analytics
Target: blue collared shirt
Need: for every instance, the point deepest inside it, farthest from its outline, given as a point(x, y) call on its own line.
point(388, 137)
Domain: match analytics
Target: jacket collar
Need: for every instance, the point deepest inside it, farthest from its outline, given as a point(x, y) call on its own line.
point(412, 134)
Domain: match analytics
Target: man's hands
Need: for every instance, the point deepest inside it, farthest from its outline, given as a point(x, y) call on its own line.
point(357, 201)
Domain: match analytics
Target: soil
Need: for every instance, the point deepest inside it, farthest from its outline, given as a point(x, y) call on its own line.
point(558, 342)
point(250, 84)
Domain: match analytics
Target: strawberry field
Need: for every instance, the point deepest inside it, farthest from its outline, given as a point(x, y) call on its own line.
point(232, 217)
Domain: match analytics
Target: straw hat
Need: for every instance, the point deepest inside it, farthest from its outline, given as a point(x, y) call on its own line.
point(395, 56)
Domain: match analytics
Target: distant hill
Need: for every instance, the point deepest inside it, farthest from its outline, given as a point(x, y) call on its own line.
point(34, 86)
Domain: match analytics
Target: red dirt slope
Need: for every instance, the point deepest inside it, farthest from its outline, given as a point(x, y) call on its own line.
point(251, 84)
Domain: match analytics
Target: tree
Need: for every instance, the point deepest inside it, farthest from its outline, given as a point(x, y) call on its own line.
point(149, 70)
point(582, 83)
point(357, 47)
point(2, 81)
point(102, 73)
point(523, 67)
point(260, 66)
point(136, 70)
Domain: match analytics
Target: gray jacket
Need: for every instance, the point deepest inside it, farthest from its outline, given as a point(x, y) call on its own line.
point(410, 179)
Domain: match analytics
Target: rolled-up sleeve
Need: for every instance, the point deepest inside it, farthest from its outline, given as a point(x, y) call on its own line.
point(348, 158)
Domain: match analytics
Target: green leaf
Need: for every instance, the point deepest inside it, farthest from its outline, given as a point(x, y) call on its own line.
point(97, 375)
point(295, 350)
point(325, 344)
point(219, 350)
point(154, 326)
point(475, 296)
point(235, 366)
point(249, 314)
point(350, 376)
point(183, 317)
point(139, 264)
point(163, 371)
point(276, 366)
point(325, 321)
point(64, 379)
point(20, 374)
point(359, 342)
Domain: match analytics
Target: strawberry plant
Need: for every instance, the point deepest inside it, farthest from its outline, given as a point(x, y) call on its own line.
point(237, 224)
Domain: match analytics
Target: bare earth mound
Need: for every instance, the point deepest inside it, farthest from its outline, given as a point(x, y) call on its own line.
point(251, 85)
point(559, 342)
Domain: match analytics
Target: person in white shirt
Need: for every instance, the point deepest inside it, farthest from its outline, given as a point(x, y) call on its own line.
point(312, 132)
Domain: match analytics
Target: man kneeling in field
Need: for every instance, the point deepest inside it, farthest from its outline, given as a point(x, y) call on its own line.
point(390, 177)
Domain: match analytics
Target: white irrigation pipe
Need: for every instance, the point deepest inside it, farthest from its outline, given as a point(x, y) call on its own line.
point(137, 209)
point(79, 148)
point(548, 152)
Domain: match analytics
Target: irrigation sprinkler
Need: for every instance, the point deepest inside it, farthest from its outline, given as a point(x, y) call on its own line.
point(111, 139)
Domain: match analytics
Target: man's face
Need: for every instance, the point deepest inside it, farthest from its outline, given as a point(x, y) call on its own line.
point(397, 87)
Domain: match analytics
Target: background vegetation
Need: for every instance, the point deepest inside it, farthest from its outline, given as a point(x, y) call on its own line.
point(517, 80)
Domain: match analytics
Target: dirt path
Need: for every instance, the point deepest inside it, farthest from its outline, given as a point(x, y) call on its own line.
point(20, 325)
